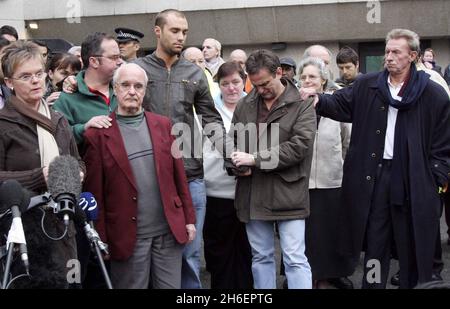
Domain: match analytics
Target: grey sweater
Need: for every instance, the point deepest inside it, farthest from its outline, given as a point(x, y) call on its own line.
point(151, 220)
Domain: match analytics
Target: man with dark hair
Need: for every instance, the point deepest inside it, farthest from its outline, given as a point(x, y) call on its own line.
point(9, 32)
point(95, 99)
point(348, 63)
point(43, 48)
point(398, 159)
point(278, 154)
point(289, 68)
point(90, 107)
point(175, 88)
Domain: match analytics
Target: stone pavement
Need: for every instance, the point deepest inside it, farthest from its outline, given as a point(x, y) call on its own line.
point(357, 276)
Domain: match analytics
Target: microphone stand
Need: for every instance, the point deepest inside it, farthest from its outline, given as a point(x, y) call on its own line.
point(8, 265)
point(99, 246)
point(102, 265)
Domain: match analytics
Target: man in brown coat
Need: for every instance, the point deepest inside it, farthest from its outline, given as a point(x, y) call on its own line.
point(278, 155)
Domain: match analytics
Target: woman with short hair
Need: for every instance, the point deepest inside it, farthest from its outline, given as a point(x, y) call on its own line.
point(322, 226)
point(227, 250)
point(31, 136)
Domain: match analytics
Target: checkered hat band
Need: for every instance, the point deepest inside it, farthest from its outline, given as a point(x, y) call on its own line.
point(123, 35)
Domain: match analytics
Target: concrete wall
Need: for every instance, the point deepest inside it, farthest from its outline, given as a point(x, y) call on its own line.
point(47, 9)
point(248, 24)
point(12, 13)
point(343, 21)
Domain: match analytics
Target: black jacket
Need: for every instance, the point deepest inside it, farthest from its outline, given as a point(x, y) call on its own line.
point(20, 160)
point(447, 74)
point(6, 92)
point(176, 93)
point(362, 105)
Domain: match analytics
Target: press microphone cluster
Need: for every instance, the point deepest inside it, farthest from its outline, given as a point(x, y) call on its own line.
point(88, 214)
point(15, 198)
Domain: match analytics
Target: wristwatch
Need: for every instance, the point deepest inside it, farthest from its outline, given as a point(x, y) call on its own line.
point(255, 156)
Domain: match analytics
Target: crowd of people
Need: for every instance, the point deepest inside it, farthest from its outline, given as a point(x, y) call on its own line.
point(181, 147)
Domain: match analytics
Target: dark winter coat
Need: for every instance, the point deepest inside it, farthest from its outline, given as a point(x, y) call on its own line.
point(428, 169)
point(278, 192)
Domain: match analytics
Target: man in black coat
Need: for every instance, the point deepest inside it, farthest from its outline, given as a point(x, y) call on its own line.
point(397, 163)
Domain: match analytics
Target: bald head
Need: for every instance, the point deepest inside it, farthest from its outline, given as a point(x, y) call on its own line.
point(130, 82)
point(195, 55)
point(239, 56)
point(319, 51)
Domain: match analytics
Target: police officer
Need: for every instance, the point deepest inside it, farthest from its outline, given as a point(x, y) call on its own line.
point(289, 67)
point(129, 43)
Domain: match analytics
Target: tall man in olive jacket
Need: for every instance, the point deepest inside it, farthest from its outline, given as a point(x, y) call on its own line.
point(397, 163)
point(275, 186)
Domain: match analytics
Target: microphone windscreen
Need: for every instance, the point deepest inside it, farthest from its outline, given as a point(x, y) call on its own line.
point(12, 194)
point(64, 176)
point(89, 205)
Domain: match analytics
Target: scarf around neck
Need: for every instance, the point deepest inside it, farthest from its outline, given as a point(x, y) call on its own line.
point(46, 129)
point(410, 93)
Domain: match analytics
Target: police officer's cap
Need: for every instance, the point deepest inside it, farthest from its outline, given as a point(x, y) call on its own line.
point(126, 34)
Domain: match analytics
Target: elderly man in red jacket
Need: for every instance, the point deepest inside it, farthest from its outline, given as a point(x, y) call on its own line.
point(146, 212)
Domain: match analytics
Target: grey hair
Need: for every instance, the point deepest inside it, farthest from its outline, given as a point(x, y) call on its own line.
point(74, 49)
point(217, 44)
point(125, 65)
point(307, 52)
point(316, 62)
point(411, 37)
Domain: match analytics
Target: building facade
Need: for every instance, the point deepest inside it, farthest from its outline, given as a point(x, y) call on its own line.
point(285, 26)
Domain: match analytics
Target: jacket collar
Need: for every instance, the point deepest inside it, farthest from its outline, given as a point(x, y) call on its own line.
point(14, 111)
point(161, 62)
point(290, 94)
point(83, 88)
point(116, 146)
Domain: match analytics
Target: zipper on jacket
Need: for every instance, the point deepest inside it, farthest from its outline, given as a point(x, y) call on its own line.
point(316, 157)
point(166, 104)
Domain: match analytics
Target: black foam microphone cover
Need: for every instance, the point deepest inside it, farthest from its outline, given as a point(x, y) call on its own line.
point(13, 194)
point(64, 177)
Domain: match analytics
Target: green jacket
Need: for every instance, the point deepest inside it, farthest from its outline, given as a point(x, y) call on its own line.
point(81, 106)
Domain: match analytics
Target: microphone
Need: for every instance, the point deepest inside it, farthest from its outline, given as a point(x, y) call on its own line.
point(64, 184)
point(14, 197)
point(89, 208)
point(89, 205)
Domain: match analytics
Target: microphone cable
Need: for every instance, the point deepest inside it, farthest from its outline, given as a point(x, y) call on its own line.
point(15, 278)
point(45, 232)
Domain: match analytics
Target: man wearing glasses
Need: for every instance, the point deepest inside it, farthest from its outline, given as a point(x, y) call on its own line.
point(95, 99)
point(90, 107)
point(146, 212)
